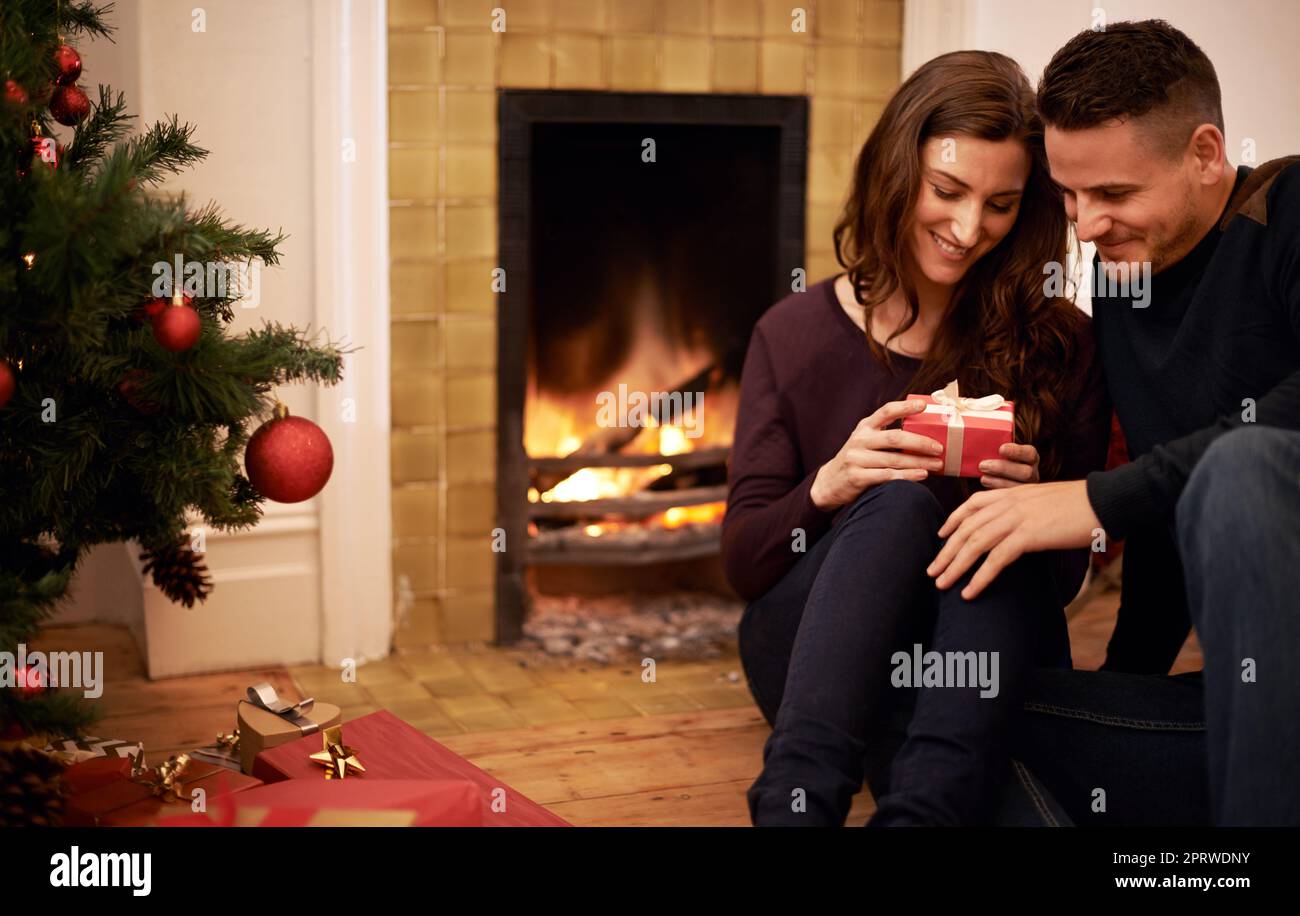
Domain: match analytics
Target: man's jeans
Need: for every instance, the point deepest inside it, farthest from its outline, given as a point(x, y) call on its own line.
point(1111, 748)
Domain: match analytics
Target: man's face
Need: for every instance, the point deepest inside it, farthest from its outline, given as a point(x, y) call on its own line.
point(1125, 194)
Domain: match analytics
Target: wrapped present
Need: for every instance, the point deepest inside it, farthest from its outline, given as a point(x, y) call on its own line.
point(970, 429)
point(391, 749)
point(266, 721)
point(75, 750)
point(350, 803)
point(103, 797)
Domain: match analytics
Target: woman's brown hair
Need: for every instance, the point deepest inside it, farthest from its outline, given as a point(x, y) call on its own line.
point(1001, 334)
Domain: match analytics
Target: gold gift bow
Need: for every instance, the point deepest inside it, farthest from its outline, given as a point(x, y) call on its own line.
point(337, 757)
point(164, 780)
point(948, 401)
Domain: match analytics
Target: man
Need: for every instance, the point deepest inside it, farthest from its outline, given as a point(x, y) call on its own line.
point(1204, 371)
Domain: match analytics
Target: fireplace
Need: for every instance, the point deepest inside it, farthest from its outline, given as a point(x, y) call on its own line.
point(641, 236)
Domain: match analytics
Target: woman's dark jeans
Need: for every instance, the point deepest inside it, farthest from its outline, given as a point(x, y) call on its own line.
point(817, 652)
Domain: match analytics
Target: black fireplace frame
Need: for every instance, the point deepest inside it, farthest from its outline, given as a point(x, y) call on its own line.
point(517, 111)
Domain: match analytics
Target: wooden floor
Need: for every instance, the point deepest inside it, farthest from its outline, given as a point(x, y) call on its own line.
point(612, 750)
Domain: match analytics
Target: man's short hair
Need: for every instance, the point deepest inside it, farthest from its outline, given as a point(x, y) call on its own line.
point(1147, 70)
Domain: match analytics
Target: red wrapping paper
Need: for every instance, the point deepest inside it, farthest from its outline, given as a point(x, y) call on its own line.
point(99, 799)
point(344, 803)
point(391, 749)
point(981, 436)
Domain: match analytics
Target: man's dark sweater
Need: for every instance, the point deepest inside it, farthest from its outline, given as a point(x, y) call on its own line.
point(809, 378)
point(1218, 341)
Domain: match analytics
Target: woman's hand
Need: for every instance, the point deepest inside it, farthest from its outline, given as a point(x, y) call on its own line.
point(873, 455)
point(1018, 464)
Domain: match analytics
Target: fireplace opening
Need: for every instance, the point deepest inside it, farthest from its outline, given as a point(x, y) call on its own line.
point(642, 236)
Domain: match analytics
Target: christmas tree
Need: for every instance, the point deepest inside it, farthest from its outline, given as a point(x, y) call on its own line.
point(125, 399)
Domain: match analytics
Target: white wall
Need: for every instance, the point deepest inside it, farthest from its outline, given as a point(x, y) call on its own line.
point(246, 82)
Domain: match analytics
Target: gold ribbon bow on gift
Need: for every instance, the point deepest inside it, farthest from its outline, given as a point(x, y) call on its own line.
point(164, 781)
point(949, 401)
point(264, 695)
point(337, 757)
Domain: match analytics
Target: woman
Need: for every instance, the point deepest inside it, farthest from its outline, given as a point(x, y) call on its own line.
point(832, 516)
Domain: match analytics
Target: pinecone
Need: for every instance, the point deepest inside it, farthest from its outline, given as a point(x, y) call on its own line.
point(31, 787)
point(178, 572)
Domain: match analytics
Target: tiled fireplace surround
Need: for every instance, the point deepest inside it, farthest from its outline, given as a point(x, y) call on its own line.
point(445, 65)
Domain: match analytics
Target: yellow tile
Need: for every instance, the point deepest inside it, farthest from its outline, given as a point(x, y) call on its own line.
point(471, 511)
point(414, 456)
point(429, 664)
point(415, 345)
point(525, 60)
point(462, 685)
point(416, 399)
point(880, 71)
point(413, 232)
point(654, 702)
point(471, 230)
point(469, 59)
point(413, 58)
point(423, 715)
point(784, 68)
point(831, 122)
point(470, 115)
point(837, 20)
point(418, 563)
point(579, 62)
point(735, 65)
point(472, 703)
point(685, 65)
point(413, 115)
point(632, 16)
point(580, 15)
point(821, 264)
point(499, 673)
point(415, 511)
point(821, 224)
point(835, 70)
point(688, 17)
point(470, 12)
point(632, 63)
point(779, 19)
point(527, 14)
point(471, 565)
point(408, 693)
point(735, 17)
point(471, 400)
point(472, 343)
point(604, 708)
point(471, 171)
point(471, 456)
point(415, 287)
point(883, 19)
point(829, 174)
point(410, 13)
point(868, 114)
point(418, 625)
point(469, 287)
point(412, 173)
point(468, 616)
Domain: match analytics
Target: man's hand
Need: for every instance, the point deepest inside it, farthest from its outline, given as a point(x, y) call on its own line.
point(1009, 522)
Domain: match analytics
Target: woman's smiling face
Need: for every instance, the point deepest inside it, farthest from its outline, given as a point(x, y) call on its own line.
point(968, 201)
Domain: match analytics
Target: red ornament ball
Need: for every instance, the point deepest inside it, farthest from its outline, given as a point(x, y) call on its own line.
point(31, 681)
point(289, 459)
point(130, 388)
point(8, 382)
point(177, 328)
point(69, 63)
point(69, 105)
point(153, 308)
point(15, 94)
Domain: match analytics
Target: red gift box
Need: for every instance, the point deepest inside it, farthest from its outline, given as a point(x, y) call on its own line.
point(970, 430)
point(115, 800)
point(391, 749)
point(344, 803)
